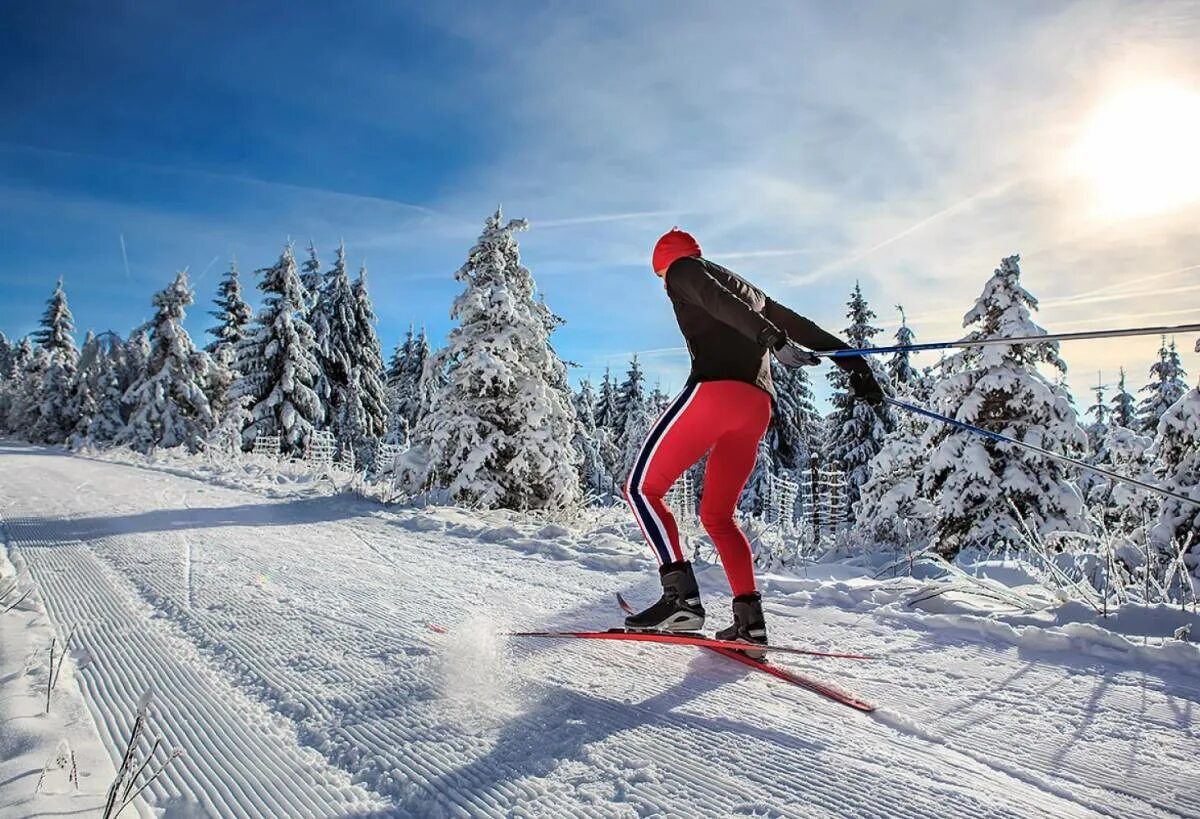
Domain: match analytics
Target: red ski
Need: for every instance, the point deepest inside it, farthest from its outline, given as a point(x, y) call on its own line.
point(683, 639)
point(816, 686)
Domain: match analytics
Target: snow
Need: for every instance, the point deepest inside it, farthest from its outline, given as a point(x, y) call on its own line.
point(286, 636)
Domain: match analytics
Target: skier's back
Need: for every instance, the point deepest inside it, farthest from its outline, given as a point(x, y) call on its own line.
point(731, 328)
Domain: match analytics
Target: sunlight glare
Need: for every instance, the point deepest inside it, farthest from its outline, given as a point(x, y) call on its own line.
point(1141, 151)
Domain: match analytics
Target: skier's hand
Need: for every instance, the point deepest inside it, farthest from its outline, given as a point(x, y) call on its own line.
point(864, 387)
point(793, 355)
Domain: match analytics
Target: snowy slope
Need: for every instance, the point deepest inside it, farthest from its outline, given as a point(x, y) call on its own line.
point(286, 640)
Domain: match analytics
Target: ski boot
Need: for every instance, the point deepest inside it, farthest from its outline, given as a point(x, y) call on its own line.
point(749, 625)
point(679, 607)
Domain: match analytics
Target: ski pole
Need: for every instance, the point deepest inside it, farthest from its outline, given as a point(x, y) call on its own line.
point(983, 342)
point(996, 436)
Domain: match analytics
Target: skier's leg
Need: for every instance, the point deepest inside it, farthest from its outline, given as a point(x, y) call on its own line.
point(681, 435)
point(676, 441)
point(729, 466)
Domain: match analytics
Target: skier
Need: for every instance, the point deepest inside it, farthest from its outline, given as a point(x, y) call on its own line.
point(731, 328)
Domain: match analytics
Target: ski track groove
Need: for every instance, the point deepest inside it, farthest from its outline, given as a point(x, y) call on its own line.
point(79, 590)
point(333, 640)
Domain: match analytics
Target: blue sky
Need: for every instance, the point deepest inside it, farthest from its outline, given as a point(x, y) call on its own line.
point(907, 145)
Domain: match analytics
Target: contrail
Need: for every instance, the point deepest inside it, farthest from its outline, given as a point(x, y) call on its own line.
point(200, 278)
point(608, 217)
point(807, 278)
point(125, 256)
point(1122, 285)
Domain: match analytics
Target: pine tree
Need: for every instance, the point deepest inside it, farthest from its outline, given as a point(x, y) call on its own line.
point(1176, 458)
point(169, 405)
point(1168, 384)
point(856, 429)
point(1124, 408)
point(233, 314)
point(972, 478)
point(499, 434)
point(281, 368)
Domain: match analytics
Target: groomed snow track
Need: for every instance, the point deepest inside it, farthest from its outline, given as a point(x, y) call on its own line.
point(286, 644)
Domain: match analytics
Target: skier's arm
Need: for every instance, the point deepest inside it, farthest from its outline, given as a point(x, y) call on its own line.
point(688, 279)
point(806, 332)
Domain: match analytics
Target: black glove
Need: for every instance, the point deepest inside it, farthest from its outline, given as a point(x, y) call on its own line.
point(793, 355)
point(864, 387)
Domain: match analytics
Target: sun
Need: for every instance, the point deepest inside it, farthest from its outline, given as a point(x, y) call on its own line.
point(1140, 152)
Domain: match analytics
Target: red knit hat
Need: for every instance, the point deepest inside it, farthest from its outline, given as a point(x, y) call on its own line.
point(674, 244)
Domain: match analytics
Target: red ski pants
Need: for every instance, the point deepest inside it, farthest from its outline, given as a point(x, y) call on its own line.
point(726, 419)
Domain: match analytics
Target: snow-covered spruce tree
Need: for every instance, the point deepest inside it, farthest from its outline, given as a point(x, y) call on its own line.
point(499, 433)
point(1176, 458)
point(894, 510)
point(856, 429)
point(631, 394)
point(6, 353)
point(54, 423)
point(606, 402)
point(1124, 408)
point(972, 478)
point(658, 399)
point(336, 340)
point(607, 431)
point(403, 350)
point(404, 384)
point(312, 279)
point(86, 389)
point(136, 357)
point(796, 424)
point(25, 377)
point(1167, 385)
point(1121, 507)
point(370, 413)
point(57, 328)
point(169, 406)
point(108, 421)
point(904, 377)
point(280, 368)
point(631, 401)
point(593, 472)
point(233, 315)
point(1099, 413)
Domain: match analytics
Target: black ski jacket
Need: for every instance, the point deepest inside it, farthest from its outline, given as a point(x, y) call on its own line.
point(731, 326)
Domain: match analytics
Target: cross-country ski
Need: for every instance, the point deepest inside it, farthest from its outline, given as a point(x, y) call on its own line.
point(354, 359)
